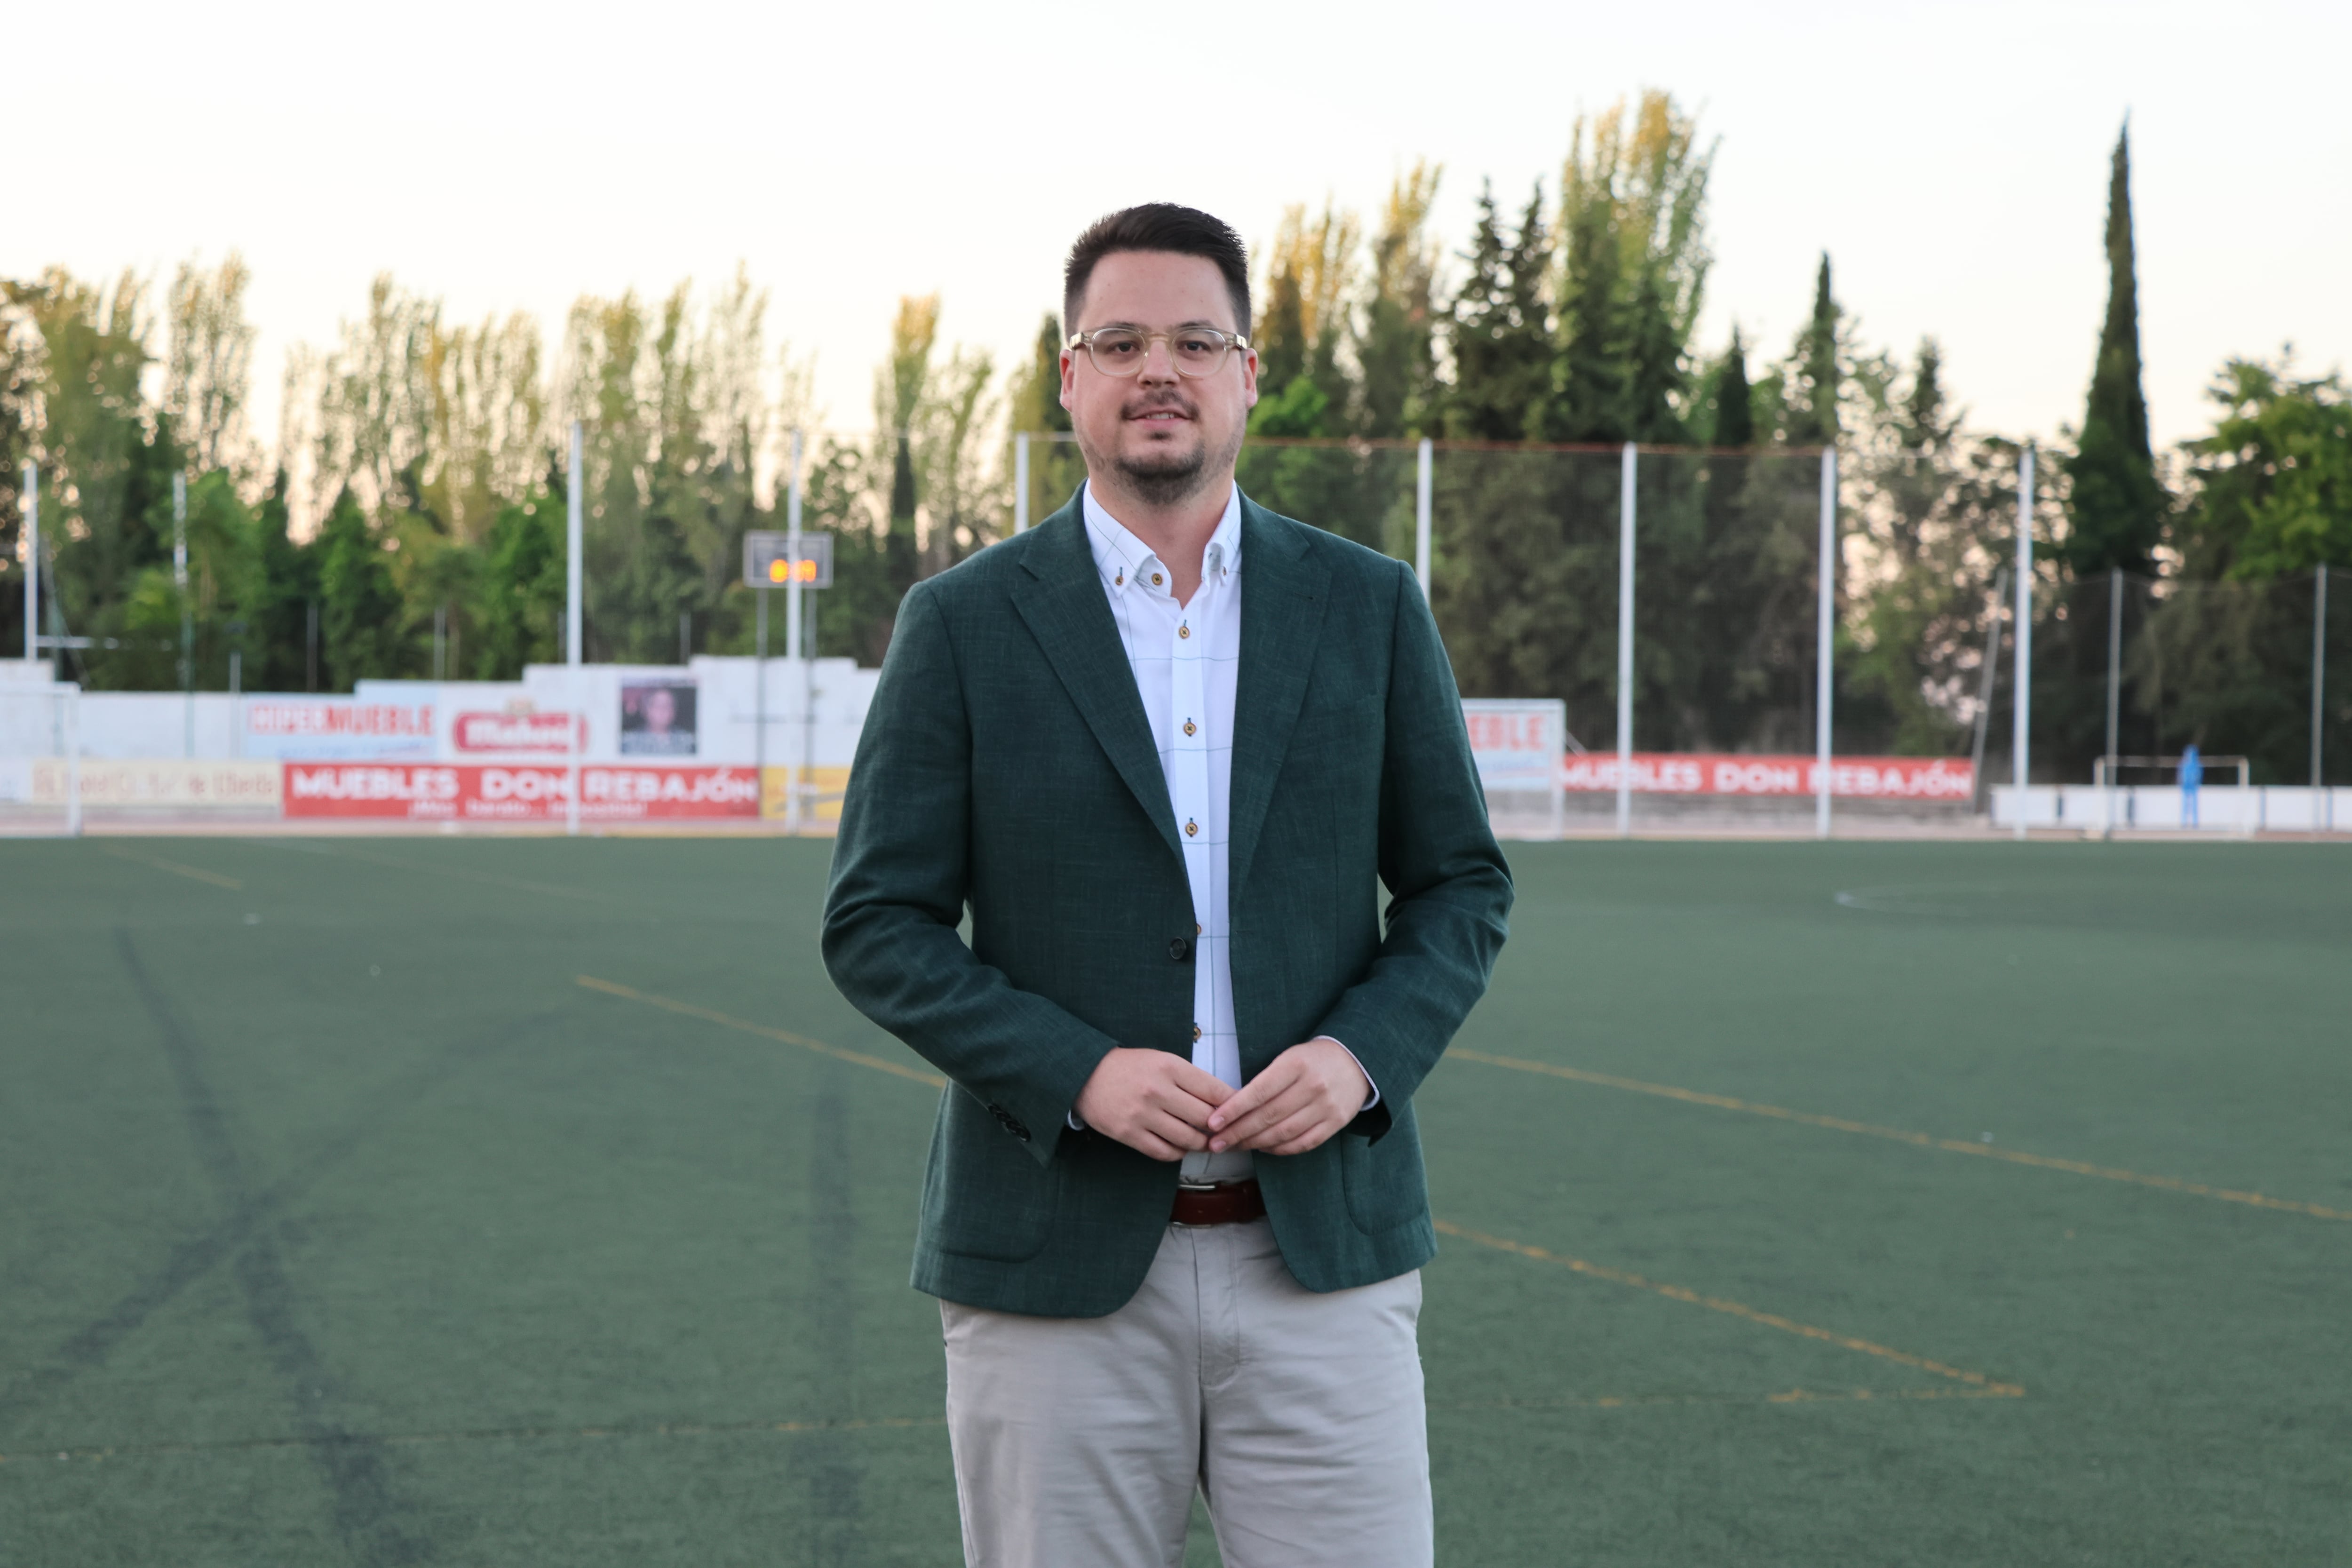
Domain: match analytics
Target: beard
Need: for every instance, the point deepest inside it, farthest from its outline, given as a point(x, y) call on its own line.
point(1165, 477)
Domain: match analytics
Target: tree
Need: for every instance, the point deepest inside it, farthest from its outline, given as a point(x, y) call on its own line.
point(519, 611)
point(899, 390)
point(1499, 328)
point(208, 368)
point(1033, 404)
point(2273, 481)
point(1634, 264)
point(1309, 289)
point(359, 603)
point(1396, 346)
point(2117, 508)
point(1812, 381)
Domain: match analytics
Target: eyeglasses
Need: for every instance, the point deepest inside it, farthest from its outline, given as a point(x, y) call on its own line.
point(1196, 352)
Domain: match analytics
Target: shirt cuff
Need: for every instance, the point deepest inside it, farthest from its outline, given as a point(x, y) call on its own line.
point(1372, 1098)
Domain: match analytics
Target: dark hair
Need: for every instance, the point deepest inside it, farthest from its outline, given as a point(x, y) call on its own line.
point(1157, 225)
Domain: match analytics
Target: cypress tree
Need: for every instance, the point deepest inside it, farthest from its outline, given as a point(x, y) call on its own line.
point(1735, 404)
point(2116, 505)
point(1812, 419)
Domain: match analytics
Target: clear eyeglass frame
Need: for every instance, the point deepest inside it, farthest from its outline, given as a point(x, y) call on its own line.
point(1195, 351)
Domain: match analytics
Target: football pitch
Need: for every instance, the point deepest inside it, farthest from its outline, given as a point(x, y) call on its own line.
point(526, 1201)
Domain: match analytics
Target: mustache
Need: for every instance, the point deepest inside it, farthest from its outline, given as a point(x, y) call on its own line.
point(1169, 400)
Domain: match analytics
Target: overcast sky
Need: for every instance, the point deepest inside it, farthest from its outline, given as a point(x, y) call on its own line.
point(1952, 158)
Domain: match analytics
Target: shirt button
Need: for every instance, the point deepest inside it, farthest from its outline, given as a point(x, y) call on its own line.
point(1155, 579)
point(1191, 728)
point(1196, 928)
point(1183, 631)
point(1191, 827)
point(1196, 1031)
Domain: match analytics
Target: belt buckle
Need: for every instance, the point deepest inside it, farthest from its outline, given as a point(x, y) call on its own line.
point(1193, 1184)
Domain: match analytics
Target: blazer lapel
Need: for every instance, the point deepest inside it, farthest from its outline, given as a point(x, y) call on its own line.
point(1067, 612)
point(1282, 621)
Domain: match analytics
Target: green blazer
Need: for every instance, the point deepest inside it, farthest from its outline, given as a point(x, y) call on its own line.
point(1006, 767)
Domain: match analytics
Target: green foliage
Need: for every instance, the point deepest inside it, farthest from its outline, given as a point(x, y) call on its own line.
point(1500, 330)
point(2115, 507)
point(360, 619)
point(2273, 492)
point(519, 613)
point(1395, 345)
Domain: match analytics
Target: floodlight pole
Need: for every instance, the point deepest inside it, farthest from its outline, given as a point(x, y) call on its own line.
point(29, 502)
point(793, 622)
point(1625, 642)
point(1825, 633)
point(1020, 480)
point(2318, 672)
point(1421, 514)
point(573, 548)
point(187, 619)
point(2022, 706)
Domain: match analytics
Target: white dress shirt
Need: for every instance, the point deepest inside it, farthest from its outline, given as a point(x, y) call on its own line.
point(1186, 658)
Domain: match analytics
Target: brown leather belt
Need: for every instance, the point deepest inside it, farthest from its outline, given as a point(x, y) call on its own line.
point(1227, 1203)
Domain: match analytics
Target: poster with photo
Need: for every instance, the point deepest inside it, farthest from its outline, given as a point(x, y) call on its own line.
point(658, 719)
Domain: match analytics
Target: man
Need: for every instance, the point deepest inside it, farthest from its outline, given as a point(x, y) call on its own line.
point(1175, 1211)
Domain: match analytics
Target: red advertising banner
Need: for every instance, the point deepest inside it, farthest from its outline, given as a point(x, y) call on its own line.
point(470, 791)
point(1702, 773)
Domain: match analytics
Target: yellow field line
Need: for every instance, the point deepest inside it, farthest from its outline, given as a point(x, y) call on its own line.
point(197, 872)
point(727, 1021)
point(1898, 1135)
point(1735, 1309)
point(486, 1435)
point(1785, 1396)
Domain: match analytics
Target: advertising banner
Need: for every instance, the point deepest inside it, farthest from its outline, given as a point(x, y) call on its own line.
point(316, 729)
point(1702, 773)
point(467, 792)
point(163, 783)
point(658, 718)
point(1517, 744)
point(513, 733)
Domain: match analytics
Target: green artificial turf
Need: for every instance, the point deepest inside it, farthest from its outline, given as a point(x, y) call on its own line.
point(342, 1225)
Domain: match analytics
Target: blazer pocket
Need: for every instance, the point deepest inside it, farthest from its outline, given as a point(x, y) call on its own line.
point(984, 1194)
point(1383, 1182)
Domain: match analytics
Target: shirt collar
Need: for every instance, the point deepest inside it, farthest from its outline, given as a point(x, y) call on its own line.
point(1121, 557)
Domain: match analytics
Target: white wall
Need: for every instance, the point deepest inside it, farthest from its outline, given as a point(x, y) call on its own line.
point(2277, 808)
point(155, 725)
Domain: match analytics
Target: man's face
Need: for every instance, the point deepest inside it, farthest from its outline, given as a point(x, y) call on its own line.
point(1167, 437)
point(661, 711)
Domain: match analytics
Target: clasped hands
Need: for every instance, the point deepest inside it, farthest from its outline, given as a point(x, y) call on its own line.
point(1160, 1103)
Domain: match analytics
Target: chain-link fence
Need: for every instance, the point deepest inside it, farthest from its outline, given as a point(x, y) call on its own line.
point(2139, 668)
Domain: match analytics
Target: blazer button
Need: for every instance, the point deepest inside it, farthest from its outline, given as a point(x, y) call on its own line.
point(1180, 948)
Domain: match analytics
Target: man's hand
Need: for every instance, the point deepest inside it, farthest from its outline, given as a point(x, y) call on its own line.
point(1154, 1102)
point(1304, 1096)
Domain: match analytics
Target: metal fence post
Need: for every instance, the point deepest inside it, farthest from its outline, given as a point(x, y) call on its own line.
point(1625, 642)
point(1421, 486)
point(29, 501)
point(2022, 705)
point(792, 627)
point(2318, 673)
point(1020, 482)
point(572, 621)
point(1825, 631)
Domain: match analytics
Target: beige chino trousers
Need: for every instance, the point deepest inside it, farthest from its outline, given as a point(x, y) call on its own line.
point(1079, 1441)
